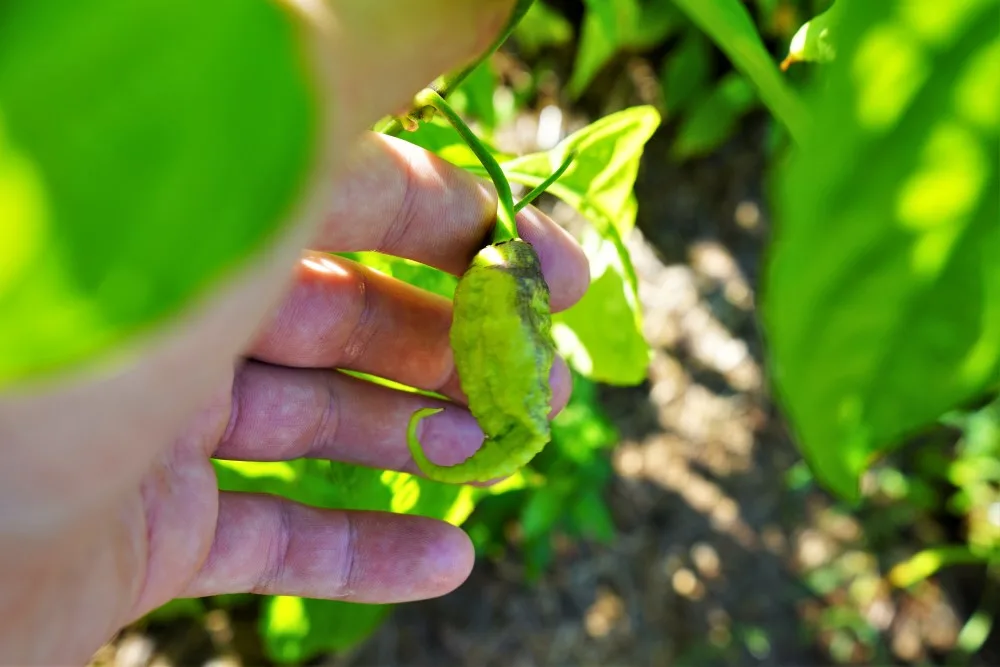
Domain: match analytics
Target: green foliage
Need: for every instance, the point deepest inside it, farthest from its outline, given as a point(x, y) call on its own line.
point(714, 117)
point(610, 26)
point(599, 185)
point(882, 301)
point(541, 27)
point(729, 23)
point(130, 179)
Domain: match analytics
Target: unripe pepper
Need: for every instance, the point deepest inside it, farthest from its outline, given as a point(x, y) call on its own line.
point(501, 336)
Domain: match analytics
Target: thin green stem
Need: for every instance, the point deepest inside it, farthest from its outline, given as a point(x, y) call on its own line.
point(506, 228)
point(544, 185)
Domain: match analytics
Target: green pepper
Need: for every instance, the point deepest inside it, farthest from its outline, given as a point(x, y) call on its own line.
point(502, 342)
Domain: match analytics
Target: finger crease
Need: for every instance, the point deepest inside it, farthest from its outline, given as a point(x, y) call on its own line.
point(399, 227)
point(363, 330)
point(350, 570)
point(278, 551)
point(329, 421)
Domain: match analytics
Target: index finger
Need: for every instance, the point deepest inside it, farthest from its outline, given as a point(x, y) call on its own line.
point(399, 199)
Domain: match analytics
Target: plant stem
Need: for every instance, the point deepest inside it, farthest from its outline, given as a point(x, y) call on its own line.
point(544, 185)
point(506, 228)
point(446, 83)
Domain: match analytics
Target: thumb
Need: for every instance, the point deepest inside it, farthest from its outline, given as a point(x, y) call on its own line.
point(374, 56)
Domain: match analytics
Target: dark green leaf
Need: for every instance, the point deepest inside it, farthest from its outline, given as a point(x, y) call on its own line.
point(591, 517)
point(882, 295)
point(712, 119)
point(729, 24)
point(145, 149)
point(686, 72)
point(542, 26)
point(474, 96)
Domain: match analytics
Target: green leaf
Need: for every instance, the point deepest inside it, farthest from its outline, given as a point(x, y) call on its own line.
point(409, 271)
point(591, 517)
point(686, 71)
point(599, 184)
point(713, 118)
point(882, 293)
point(610, 26)
point(542, 26)
point(601, 336)
point(145, 149)
point(729, 24)
point(297, 629)
point(474, 96)
point(600, 180)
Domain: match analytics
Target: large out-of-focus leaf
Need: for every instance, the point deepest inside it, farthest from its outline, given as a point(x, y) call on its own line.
point(882, 295)
point(712, 119)
point(729, 23)
point(145, 148)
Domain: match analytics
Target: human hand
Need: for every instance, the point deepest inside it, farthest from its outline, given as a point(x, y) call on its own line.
point(237, 376)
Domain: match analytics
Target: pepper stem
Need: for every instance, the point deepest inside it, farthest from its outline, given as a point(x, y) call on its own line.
point(506, 227)
point(544, 185)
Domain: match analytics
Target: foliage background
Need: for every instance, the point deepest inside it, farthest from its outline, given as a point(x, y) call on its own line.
point(671, 520)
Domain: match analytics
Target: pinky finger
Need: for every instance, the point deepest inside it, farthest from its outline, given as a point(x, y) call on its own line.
point(269, 545)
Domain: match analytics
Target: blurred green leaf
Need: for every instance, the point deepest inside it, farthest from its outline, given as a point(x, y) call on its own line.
point(686, 71)
point(131, 179)
point(591, 517)
point(545, 507)
point(474, 96)
point(729, 24)
point(542, 26)
point(882, 294)
point(417, 274)
point(927, 562)
point(711, 120)
point(296, 629)
point(610, 26)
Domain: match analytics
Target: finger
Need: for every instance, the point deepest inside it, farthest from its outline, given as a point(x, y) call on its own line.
point(400, 199)
point(341, 314)
point(284, 413)
point(272, 546)
point(380, 54)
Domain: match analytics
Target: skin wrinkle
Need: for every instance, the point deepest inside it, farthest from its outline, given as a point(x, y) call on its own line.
point(364, 328)
point(274, 565)
point(351, 570)
point(405, 210)
point(329, 422)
